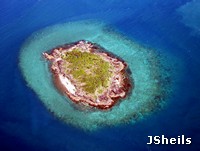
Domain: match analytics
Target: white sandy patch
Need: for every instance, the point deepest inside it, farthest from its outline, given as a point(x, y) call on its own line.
point(97, 100)
point(58, 59)
point(66, 82)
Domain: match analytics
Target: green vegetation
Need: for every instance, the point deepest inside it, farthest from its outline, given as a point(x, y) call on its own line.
point(88, 69)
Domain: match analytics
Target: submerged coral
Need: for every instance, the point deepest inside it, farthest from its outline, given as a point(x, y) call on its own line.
point(150, 72)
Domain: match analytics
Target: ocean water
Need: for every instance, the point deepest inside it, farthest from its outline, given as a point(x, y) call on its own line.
point(171, 27)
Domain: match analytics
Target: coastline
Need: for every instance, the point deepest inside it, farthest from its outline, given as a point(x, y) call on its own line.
point(149, 77)
point(118, 89)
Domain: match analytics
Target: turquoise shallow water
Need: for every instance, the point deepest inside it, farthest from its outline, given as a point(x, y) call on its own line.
point(150, 73)
point(163, 26)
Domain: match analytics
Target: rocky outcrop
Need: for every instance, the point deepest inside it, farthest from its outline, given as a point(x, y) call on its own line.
point(117, 86)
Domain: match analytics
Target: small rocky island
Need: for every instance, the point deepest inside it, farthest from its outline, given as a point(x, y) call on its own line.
point(88, 74)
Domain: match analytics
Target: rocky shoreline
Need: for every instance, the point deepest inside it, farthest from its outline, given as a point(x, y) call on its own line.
point(117, 87)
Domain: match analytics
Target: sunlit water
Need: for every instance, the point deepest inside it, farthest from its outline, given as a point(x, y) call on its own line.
point(151, 74)
point(162, 26)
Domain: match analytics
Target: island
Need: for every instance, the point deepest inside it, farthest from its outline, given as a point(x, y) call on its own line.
point(88, 74)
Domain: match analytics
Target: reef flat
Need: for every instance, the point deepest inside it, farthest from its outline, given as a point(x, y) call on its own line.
point(150, 71)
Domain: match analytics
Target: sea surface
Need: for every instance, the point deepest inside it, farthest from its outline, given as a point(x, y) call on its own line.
point(166, 25)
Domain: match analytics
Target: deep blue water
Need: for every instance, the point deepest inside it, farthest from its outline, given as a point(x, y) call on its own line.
point(25, 124)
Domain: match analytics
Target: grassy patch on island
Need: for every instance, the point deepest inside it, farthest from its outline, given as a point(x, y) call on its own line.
point(89, 69)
